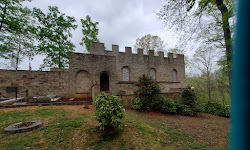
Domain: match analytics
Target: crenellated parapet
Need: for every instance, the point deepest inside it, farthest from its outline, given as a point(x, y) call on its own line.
point(99, 49)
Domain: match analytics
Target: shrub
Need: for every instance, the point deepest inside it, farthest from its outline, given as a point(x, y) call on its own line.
point(169, 105)
point(148, 91)
point(216, 108)
point(136, 103)
point(109, 111)
point(186, 110)
point(188, 99)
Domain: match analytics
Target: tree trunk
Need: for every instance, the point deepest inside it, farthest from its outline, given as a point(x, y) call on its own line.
point(4, 13)
point(59, 58)
point(209, 89)
point(226, 29)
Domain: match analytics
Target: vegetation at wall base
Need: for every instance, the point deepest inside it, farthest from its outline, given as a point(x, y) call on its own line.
point(188, 99)
point(149, 98)
point(148, 91)
point(136, 103)
point(216, 108)
point(109, 111)
point(170, 106)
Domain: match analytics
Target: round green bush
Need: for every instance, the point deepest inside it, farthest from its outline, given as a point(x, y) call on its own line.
point(169, 105)
point(109, 111)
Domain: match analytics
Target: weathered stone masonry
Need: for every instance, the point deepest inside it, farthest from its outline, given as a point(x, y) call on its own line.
point(100, 70)
point(36, 82)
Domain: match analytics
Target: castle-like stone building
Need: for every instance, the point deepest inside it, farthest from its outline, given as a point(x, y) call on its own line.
point(97, 71)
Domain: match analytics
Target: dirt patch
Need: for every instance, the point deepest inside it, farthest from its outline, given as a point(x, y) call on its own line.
point(206, 128)
point(25, 124)
point(19, 109)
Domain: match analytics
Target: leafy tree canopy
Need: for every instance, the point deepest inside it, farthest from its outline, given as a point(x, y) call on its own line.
point(53, 34)
point(89, 31)
point(16, 30)
point(205, 22)
point(150, 42)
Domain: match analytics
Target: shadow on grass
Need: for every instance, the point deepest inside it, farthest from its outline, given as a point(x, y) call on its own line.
point(106, 139)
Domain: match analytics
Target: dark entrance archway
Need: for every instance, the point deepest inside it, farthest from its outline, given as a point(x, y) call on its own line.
point(104, 82)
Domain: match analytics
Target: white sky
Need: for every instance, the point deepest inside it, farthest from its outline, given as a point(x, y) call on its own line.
point(120, 22)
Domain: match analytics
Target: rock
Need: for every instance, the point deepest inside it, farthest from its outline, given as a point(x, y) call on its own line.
point(20, 103)
point(52, 96)
point(41, 99)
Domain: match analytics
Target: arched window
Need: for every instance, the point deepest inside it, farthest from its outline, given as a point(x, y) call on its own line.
point(125, 73)
point(152, 73)
point(174, 75)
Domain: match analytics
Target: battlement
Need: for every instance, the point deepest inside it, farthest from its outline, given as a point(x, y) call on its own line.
point(99, 49)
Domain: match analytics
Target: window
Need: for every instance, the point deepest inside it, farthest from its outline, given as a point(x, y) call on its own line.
point(152, 73)
point(125, 74)
point(174, 75)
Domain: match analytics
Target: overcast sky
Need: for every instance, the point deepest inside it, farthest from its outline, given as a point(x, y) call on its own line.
point(121, 22)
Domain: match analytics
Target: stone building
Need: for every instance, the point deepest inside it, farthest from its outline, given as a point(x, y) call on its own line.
point(97, 71)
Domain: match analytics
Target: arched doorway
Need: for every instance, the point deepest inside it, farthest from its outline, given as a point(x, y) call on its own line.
point(104, 82)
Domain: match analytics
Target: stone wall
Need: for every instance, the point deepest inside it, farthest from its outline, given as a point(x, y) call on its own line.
point(83, 78)
point(36, 82)
point(140, 64)
point(93, 66)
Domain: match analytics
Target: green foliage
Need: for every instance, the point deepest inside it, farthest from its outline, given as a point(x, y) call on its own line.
point(224, 65)
point(150, 42)
point(17, 30)
point(53, 34)
point(188, 99)
point(216, 108)
point(12, 13)
point(186, 110)
point(219, 87)
point(136, 103)
point(148, 91)
point(89, 31)
point(109, 111)
point(202, 21)
point(150, 99)
point(169, 106)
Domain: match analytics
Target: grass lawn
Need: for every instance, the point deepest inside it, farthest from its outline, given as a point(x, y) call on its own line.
point(73, 127)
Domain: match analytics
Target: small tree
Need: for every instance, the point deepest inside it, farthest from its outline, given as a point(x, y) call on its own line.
point(204, 60)
point(17, 30)
point(53, 34)
point(148, 91)
point(190, 106)
point(109, 111)
point(89, 31)
point(150, 42)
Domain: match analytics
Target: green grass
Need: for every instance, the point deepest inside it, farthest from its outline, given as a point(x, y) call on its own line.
point(65, 130)
point(57, 133)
